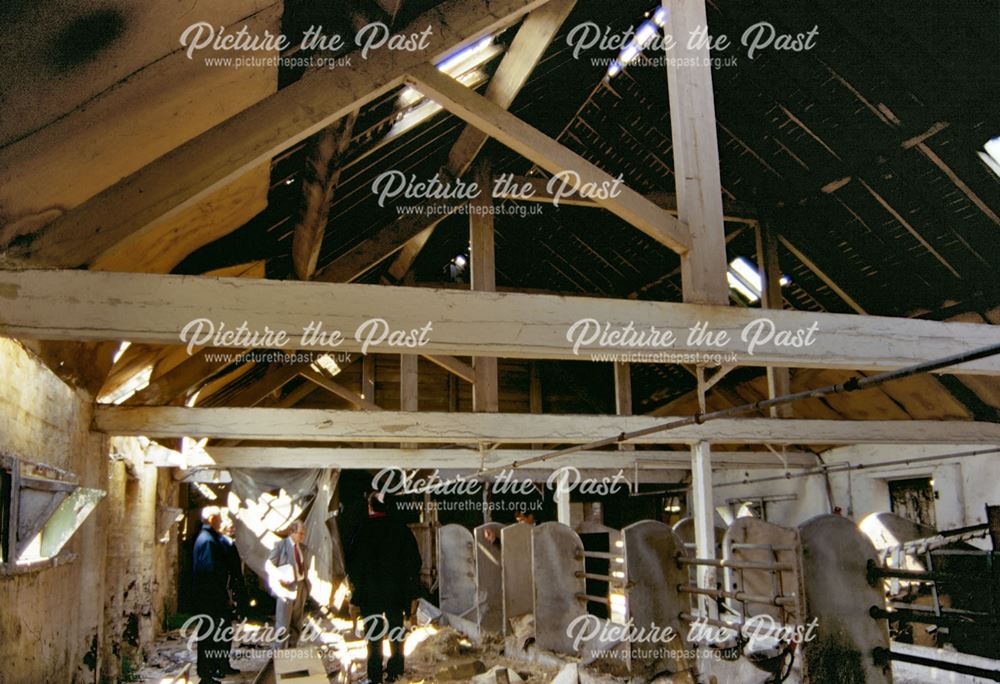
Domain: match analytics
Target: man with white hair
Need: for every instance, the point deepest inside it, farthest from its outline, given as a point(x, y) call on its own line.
point(210, 579)
point(287, 568)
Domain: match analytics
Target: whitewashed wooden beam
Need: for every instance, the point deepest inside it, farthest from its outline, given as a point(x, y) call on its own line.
point(348, 457)
point(703, 512)
point(549, 154)
point(311, 425)
point(148, 308)
point(190, 172)
point(696, 154)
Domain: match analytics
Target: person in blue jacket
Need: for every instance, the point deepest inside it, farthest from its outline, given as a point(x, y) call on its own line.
point(211, 580)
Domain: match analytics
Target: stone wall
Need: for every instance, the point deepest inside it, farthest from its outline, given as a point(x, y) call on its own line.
point(73, 622)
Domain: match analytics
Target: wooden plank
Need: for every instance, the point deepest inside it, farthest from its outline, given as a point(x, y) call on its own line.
point(819, 273)
point(482, 253)
point(696, 155)
point(273, 379)
point(156, 100)
point(623, 394)
point(368, 377)
point(167, 242)
point(153, 308)
point(409, 382)
point(703, 511)
point(193, 371)
point(354, 458)
point(319, 181)
point(549, 154)
point(535, 397)
point(188, 173)
point(251, 269)
point(373, 250)
point(310, 425)
point(336, 388)
point(779, 381)
point(409, 385)
point(454, 366)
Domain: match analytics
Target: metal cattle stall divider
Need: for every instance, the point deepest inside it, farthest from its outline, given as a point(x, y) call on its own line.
point(489, 577)
point(470, 580)
point(652, 598)
point(457, 581)
point(517, 576)
point(945, 570)
point(758, 596)
point(559, 570)
point(839, 597)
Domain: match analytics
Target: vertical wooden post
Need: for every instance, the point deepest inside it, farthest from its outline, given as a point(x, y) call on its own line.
point(778, 379)
point(368, 382)
point(562, 508)
point(368, 377)
point(703, 510)
point(623, 395)
point(485, 391)
point(535, 404)
point(13, 512)
point(408, 378)
point(408, 385)
point(696, 156)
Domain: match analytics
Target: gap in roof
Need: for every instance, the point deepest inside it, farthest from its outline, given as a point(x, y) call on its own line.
point(644, 35)
point(991, 154)
point(746, 280)
point(463, 65)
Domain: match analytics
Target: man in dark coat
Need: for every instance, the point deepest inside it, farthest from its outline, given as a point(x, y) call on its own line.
point(210, 583)
point(384, 568)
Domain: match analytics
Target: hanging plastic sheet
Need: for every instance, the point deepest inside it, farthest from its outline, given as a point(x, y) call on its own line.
point(264, 502)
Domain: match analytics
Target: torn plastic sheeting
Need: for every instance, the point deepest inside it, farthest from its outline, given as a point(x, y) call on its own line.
point(265, 501)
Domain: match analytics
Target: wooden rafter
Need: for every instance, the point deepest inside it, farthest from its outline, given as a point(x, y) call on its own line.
point(552, 156)
point(525, 52)
point(407, 234)
point(322, 174)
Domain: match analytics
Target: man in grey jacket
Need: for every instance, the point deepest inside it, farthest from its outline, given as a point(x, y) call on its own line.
point(287, 568)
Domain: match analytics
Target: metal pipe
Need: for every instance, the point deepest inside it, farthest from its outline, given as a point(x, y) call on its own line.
point(738, 564)
point(601, 554)
point(595, 576)
point(847, 467)
point(596, 599)
point(876, 572)
point(895, 605)
point(699, 418)
point(923, 618)
point(883, 656)
point(761, 547)
point(739, 596)
point(688, 617)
